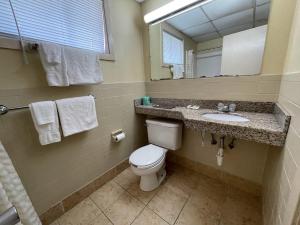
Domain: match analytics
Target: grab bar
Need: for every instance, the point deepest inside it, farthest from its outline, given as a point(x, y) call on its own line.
point(9, 217)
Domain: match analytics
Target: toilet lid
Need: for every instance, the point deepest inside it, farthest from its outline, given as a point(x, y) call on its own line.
point(147, 155)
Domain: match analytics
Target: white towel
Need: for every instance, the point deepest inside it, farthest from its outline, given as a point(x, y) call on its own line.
point(178, 71)
point(83, 66)
point(45, 118)
point(189, 64)
point(77, 114)
point(53, 62)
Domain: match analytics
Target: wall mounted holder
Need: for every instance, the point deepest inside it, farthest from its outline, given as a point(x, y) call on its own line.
point(118, 135)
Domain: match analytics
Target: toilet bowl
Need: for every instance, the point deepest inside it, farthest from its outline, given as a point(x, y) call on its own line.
point(149, 161)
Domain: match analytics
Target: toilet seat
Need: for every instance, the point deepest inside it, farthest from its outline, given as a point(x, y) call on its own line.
point(147, 156)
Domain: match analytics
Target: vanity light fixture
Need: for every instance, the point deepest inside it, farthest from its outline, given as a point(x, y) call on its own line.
point(174, 8)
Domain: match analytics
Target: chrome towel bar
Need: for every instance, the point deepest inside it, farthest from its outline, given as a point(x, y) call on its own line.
point(4, 109)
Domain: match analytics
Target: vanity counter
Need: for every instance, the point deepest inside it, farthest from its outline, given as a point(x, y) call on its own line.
point(268, 123)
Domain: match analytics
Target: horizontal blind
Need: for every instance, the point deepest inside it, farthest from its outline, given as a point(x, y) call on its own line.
point(76, 23)
point(172, 49)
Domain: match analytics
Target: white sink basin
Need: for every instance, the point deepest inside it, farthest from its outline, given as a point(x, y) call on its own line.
point(225, 117)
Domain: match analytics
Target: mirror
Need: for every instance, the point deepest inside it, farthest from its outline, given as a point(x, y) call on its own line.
point(218, 38)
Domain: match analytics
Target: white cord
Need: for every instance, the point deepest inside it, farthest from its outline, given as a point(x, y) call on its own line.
point(19, 33)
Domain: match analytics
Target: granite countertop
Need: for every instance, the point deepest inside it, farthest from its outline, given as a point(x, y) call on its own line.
point(268, 123)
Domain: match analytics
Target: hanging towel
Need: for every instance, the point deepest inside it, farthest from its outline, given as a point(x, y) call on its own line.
point(77, 114)
point(53, 62)
point(12, 192)
point(178, 71)
point(189, 64)
point(45, 118)
point(82, 66)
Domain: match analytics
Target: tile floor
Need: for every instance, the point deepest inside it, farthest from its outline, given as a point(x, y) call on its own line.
point(185, 198)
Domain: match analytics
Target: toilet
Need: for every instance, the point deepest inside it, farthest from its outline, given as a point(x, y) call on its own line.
point(149, 161)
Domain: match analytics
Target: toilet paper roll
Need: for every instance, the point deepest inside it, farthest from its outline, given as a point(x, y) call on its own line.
point(119, 137)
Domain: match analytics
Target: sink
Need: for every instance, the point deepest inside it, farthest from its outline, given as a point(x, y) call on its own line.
point(225, 117)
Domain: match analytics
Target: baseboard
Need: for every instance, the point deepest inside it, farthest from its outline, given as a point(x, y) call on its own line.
point(238, 182)
point(69, 202)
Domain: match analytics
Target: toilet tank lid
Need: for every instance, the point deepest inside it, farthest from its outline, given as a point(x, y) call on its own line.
point(163, 123)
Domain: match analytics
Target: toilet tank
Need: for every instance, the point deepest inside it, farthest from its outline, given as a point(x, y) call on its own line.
point(165, 134)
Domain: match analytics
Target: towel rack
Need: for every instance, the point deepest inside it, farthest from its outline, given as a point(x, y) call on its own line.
point(4, 109)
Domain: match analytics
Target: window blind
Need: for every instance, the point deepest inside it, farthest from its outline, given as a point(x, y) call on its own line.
point(76, 23)
point(172, 49)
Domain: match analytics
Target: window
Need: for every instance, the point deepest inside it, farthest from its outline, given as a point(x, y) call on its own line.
point(76, 23)
point(172, 49)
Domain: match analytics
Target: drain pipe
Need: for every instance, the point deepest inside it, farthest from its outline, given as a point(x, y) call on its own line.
point(220, 154)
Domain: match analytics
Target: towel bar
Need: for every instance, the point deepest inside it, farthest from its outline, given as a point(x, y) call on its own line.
point(4, 109)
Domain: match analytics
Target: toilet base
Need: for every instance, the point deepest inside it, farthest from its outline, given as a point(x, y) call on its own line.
point(152, 181)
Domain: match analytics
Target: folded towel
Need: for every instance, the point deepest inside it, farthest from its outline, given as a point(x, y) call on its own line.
point(178, 71)
point(77, 114)
point(52, 60)
point(83, 66)
point(45, 118)
point(43, 112)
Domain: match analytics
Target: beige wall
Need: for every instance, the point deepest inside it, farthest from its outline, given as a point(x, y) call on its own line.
point(52, 172)
point(282, 175)
point(206, 45)
point(158, 70)
point(280, 20)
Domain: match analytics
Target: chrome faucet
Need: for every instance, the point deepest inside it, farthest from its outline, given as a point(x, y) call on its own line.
point(226, 108)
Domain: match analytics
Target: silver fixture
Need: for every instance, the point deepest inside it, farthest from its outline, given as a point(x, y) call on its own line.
point(203, 138)
point(4, 109)
point(213, 139)
point(226, 108)
point(220, 154)
point(231, 144)
point(9, 217)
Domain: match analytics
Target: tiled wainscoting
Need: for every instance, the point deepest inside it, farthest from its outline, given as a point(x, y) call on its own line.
point(51, 173)
point(69, 202)
point(242, 88)
point(282, 173)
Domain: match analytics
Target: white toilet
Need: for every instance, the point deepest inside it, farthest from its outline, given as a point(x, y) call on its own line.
point(149, 161)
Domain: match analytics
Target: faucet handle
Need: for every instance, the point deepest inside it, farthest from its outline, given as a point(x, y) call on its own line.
point(232, 107)
point(221, 106)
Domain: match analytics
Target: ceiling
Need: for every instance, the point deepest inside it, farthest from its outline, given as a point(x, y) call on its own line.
point(221, 17)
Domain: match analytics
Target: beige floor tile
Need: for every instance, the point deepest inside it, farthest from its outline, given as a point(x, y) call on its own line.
point(124, 210)
point(237, 212)
point(81, 214)
point(184, 179)
point(200, 211)
point(107, 195)
point(126, 178)
point(211, 188)
point(100, 220)
point(143, 196)
point(148, 217)
point(244, 197)
point(168, 202)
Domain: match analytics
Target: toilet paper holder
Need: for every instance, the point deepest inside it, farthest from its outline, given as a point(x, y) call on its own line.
point(115, 135)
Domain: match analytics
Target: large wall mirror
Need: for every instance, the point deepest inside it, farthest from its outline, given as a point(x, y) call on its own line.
point(217, 38)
